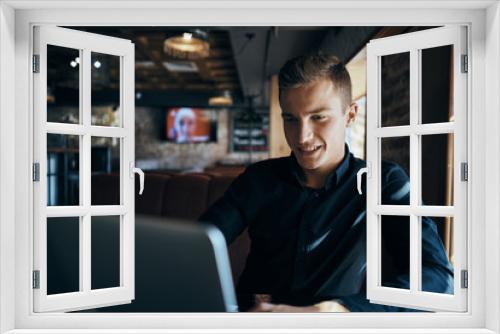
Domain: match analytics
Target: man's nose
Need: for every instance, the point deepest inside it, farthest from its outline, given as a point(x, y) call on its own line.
point(305, 132)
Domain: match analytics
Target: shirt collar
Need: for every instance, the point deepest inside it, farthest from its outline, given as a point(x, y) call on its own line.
point(332, 179)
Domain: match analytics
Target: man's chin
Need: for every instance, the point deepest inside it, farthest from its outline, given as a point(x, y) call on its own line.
point(308, 165)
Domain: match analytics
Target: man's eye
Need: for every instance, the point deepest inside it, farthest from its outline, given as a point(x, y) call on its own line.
point(318, 117)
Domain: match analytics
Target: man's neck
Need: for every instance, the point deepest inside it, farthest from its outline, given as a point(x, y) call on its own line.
point(316, 178)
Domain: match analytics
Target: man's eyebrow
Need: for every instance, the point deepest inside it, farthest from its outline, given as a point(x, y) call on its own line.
point(317, 110)
point(314, 111)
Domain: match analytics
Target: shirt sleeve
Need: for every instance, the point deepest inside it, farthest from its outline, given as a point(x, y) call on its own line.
point(437, 272)
point(230, 212)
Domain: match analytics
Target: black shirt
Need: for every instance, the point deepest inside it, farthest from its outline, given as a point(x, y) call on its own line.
point(309, 245)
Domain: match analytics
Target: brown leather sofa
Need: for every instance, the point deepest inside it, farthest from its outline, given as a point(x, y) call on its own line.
point(174, 195)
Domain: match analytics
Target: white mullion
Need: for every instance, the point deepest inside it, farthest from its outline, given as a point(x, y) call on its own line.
point(80, 131)
point(124, 173)
point(378, 253)
point(127, 100)
point(460, 227)
point(418, 241)
point(40, 156)
point(373, 190)
point(66, 211)
point(107, 131)
point(79, 211)
point(81, 257)
point(415, 106)
point(415, 245)
point(65, 129)
point(86, 274)
point(405, 210)
point(108, 210)
point(86, 248)
point(416, 220)
point(377, 174)
point(419, 129)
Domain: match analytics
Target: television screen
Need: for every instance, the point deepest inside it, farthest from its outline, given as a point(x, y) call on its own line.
point(191, 125)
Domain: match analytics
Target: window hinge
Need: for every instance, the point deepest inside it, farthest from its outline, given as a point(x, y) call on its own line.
point(36, 63)
point(36, 279)
point(36, 172)
point(464, 171)
point(465, 279)
point(465, 64)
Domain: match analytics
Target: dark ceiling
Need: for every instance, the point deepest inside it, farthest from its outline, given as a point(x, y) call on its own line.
point(241, 60)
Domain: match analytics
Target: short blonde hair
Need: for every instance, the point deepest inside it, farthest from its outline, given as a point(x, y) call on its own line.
point(306, 69)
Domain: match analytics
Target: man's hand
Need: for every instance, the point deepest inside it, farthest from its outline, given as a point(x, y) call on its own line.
point(327, 306)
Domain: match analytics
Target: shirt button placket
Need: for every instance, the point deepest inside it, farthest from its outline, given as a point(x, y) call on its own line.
point(299, 270)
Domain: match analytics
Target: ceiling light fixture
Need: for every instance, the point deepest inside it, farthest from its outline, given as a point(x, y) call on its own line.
point(222, 100)
point(188, 45)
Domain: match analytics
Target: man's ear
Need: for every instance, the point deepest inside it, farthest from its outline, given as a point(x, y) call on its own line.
point(350, 114)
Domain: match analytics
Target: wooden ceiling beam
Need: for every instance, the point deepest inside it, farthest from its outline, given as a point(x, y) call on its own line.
point(142, 45)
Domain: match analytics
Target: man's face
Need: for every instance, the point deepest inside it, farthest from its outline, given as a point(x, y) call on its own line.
point(314, 124)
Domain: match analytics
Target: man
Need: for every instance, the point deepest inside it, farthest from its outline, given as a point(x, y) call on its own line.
point(306, 220)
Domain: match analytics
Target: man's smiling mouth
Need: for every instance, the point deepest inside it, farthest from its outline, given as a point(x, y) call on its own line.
point(309, 149)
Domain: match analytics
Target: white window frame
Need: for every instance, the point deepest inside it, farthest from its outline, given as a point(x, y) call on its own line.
point(16, 21)
point(414, 43)
point(85, 43)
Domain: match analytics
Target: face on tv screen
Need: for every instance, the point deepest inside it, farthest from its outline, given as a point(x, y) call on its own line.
point(190, 125)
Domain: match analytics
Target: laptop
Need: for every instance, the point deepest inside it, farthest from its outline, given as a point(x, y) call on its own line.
point(182, 266)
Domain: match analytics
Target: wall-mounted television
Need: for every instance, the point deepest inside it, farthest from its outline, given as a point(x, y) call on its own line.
point(191, 125)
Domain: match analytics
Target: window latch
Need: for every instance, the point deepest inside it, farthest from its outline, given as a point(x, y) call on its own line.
point(360, 173)
point(135, 170)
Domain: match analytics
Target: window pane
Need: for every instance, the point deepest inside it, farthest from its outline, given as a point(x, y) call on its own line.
point(105, 171)
point(105, 252)
point(395, 89)
point(63, 255)
point(105, 70)
point(63, 170)
point(395, 231)
point(396, 163)
point(437, 86)
point(63, 84)
point(437, 169)
point(438, 250)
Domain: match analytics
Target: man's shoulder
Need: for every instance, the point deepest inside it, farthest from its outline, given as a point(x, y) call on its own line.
point(392, 170)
